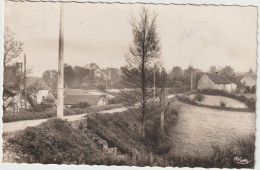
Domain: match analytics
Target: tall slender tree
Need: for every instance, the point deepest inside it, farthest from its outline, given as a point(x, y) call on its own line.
point(138, 74)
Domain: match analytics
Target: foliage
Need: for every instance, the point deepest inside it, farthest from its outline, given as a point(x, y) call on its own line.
point(12, 48)
point(50, 77)
point(222, 104)
point(228, 70)
point(41, 113)
point(199, 97)
point(81, 105)
point(250, 102)
point(101, 87)
point(56, 142)
point(188, 100)
point(137, 74)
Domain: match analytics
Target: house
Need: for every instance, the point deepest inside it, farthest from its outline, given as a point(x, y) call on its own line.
point(217, 81)
point(43, 91)
point(248, 80)
point(94, 98)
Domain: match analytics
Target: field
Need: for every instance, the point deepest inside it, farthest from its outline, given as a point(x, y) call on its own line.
point(199, 128)
point(215, 101)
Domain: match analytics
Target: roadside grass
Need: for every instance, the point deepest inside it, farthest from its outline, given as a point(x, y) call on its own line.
point(49, 113)
point(55, 141)
point(189, 100)
point(249, 102)
point(123, 130)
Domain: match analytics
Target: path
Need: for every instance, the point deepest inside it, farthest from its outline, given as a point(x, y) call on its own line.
point(20, 125)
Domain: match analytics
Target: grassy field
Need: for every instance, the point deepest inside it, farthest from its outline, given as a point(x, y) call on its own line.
point(215, 101)
point(198, 129)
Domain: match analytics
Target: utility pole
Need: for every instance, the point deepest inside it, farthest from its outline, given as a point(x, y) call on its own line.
point(25, 78)
point(60, 66)
point(191, 83)
point(154, 83)
point(21, 84)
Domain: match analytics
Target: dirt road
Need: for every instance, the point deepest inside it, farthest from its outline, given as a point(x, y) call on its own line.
point(20, 125)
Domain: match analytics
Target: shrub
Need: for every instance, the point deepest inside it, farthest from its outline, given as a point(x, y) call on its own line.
point(55, 142)
point(253, 89)
point(81, 105)
point(199, 97)
point(78, 110)
point(222, 104)
point(251, 104)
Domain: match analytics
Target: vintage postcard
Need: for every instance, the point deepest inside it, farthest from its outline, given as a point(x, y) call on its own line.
point(129, 84)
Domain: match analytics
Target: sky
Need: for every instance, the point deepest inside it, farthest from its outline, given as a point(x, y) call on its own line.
point(95, 32)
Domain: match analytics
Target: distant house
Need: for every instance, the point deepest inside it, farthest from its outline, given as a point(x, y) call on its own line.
point(248, 80)
point(220, 82)
point(94, 98)
point(44, 90)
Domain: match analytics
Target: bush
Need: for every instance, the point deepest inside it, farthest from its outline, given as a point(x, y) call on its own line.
point(81, 105)
point(253, 89)
point(251, 104)
point(222, 104)
point(199, 97)
point(55, 142)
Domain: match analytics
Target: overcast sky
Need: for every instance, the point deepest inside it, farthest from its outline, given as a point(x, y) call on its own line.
point(101, 33)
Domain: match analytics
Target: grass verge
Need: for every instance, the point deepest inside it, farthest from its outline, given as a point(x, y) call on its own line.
point(49, 113)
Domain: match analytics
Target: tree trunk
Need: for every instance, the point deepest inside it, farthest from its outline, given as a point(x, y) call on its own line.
point(162, 103)
point(143, 127)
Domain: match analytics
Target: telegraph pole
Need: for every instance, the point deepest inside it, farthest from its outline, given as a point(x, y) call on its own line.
point(154, 83)
point(60, 66)
point(21, 84)
point(25, 95)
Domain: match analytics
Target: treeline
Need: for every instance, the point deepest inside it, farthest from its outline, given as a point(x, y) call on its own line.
point(90, 76)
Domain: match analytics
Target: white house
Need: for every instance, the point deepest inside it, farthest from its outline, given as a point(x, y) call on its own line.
point(43, 91)
point(220, 82)
point(248, 80)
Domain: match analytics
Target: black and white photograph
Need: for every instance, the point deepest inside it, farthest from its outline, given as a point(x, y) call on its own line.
point(129, 84)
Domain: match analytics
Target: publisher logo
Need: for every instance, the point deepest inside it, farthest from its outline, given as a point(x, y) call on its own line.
point(242, 161)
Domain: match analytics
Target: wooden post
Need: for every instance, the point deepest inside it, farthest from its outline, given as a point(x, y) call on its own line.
point(21, 85)
point(60, 67)
point(25, 95)
point(154, 83)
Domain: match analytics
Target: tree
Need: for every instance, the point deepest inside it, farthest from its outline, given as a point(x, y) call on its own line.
point(51, 78)
point(213, 69)
point(93, 70)
point(137, 74)
point(68, 75)
point(81, 74)
point(12, 48)
point(176, 72)
point(227, 70)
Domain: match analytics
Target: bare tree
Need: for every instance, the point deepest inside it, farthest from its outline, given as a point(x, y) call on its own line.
point(12, 48)
point(143, 50)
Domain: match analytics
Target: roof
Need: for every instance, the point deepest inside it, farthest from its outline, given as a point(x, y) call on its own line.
point(75, 99)
point(251, 76)
point(233, 79)
point(31, 80)
point(218, 79)
point(240, 77)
